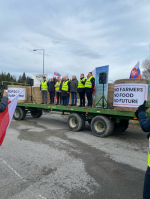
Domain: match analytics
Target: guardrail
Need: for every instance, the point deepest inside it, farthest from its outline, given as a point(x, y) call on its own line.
point(15, 83)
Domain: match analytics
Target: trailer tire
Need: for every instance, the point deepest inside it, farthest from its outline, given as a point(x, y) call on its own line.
point(36, 113)
point(121, 126)
point(19, 114)
point(76, 122)
point(102, 126)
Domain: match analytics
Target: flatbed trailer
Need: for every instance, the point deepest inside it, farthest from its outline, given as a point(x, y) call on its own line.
point(103, 121)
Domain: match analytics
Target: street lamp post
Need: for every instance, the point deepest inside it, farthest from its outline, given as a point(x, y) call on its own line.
point(43, 57)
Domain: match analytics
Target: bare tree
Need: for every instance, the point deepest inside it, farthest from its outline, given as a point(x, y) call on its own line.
point(146, 67)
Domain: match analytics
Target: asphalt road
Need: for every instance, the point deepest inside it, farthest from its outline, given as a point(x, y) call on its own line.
point(41, 158)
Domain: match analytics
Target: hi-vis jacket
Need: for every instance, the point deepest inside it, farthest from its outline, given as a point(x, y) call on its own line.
point(80, 85)
point(57, 88)
point(44, 86)
point(149, 154)
point(88, 83)
point(65, 85)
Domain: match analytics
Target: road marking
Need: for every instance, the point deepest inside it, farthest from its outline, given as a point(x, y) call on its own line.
point(11, 168)
point(20, 177)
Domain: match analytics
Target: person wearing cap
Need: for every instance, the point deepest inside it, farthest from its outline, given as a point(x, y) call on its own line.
point(44, 90)
point(81, 90)
point(145, 125)
point(89, 88)
point(58, 93)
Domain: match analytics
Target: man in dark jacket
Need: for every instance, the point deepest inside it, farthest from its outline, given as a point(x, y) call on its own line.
point(51, 89)
point(89, 88)
point(4, 102)
point(73, 90)
point(81, 90)
point(145, 125)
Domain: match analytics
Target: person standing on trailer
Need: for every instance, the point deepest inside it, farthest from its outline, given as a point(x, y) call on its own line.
point(81, 90)
point(51, 90)
point(67, 79)
point(89, 88)
point(65, 90)
point(58, 93)
point(145, 125)
point(44, 90)
point(73, 90)
point(63, 79)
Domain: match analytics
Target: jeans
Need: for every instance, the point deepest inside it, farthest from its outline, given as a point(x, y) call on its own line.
point(74, 98)
point(44, 96)
point(146, 191)
point(66, 100)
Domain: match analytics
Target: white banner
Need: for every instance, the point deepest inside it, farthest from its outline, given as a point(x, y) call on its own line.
point(38, 78)
point(12, 92)
point(130, 95)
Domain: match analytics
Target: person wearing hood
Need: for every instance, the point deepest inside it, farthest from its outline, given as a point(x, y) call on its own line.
point(81, 90)
point(73, 90)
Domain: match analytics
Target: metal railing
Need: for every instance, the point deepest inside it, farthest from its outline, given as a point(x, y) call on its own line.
point(15, 83)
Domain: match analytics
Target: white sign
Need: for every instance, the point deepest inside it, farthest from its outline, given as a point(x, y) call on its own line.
point(38, 78)
point(12, 92)
point(130, 95)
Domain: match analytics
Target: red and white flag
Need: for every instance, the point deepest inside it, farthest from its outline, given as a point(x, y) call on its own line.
point(6, 116)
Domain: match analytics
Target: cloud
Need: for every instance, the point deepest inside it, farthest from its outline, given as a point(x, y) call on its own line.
point(77, 36)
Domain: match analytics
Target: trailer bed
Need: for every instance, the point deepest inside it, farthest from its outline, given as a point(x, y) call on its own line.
point(103, 121)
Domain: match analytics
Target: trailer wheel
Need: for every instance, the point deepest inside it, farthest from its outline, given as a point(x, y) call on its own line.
point(121, 126)
point(76, 122)
point(36, 113)
point(19, 113)
point(102, 126)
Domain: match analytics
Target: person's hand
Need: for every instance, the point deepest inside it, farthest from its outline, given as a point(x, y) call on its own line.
point(68, 92)
point(141, 108)
point(148, 135)
point(76, 91)
point(5, 93)
point(40, 91)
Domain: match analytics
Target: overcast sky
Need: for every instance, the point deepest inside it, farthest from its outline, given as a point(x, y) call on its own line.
point(77, 35)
